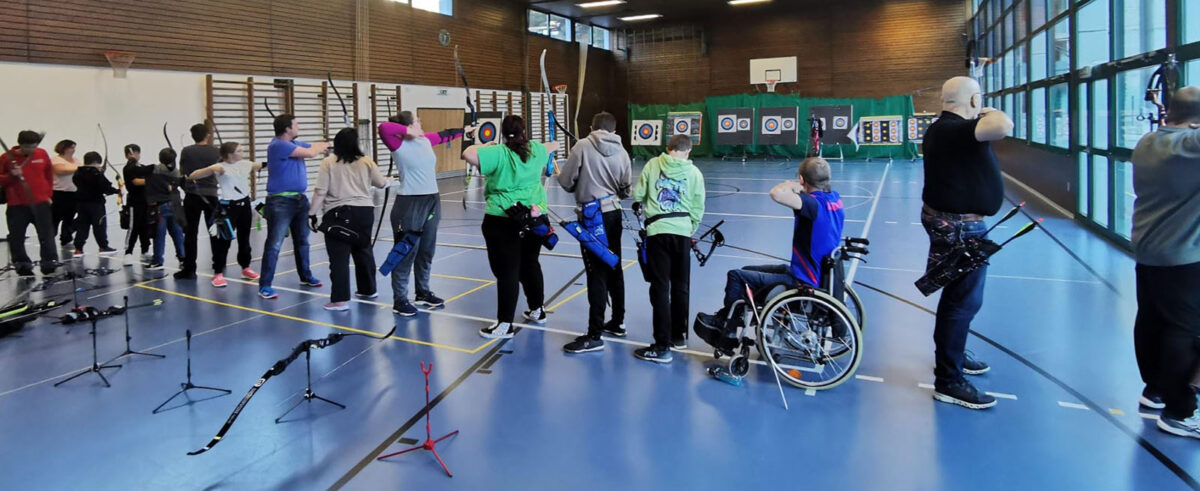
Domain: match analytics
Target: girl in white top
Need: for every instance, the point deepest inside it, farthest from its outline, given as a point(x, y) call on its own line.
point(233, 182)
point(63, 203)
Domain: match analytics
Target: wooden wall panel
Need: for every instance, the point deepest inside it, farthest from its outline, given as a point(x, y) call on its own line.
point(851, 48)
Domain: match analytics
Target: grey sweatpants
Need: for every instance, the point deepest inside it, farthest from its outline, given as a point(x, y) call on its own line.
point(420, 213)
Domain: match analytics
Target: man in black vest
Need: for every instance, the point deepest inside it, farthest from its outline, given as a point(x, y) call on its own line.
point(962, 186)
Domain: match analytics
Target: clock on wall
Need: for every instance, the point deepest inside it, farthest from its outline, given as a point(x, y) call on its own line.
point(444, 37)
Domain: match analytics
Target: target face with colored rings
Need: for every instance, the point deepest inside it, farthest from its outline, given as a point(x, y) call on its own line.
point(682, 126)
point(788, 124)
point(727, 123)
point(744, 124)
point(646, 131)
point(771, 124)
point(487, 132)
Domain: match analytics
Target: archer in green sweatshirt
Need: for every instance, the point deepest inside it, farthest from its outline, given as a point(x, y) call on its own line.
point(671, 186)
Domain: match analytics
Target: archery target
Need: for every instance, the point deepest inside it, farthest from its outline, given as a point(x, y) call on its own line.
point(487, 128)
point(841, 122)
point(647, 132)
point(789, 124)
point(683, 126)
point(727, 123)
point(488, 132)
point(743, 124)
point(771, 125)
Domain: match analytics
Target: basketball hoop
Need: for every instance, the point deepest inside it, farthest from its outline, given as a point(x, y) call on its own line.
point(771, 85)
point(120, 61)
point(561, 89)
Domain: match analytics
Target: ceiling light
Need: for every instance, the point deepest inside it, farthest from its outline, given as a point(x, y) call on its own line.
point(603, 3)
point(746, 2)
point(640, 17)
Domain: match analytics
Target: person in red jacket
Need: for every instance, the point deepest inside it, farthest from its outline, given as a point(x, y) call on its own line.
point(27, 179)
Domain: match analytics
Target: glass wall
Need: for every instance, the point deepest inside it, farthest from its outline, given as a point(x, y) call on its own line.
point(1073, 76)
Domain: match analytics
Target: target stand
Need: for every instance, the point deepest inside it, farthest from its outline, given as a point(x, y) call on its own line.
point(430, 444)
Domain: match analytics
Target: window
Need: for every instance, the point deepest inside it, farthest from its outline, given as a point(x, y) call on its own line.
point(1099, 112)
point(1008, 70)
point(1143, 26)
point(1191, 28)
point(1059, 116)
point(444, 7)
point(1020, 62)
point(600, 38)
point(1007, 104)
point(1008, 31)
point(1037, 111)
point(560, 28)
point(1193, 72)
point(1099, 190)
point(1037, 57)
point(539, 23)
point(1037, 14)
point(1123, 200)
point(1018, 115)
point(1081, 119)
point(583, 33)
point(1060, 48)
point(1021, 20)
point(1092, 34)
point(1081, 191)
point(1131, 104)
point(1057, 7)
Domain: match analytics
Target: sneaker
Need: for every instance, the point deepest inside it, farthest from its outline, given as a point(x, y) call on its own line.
point(337, 306)
point(429, 300)
point(184, 274)
point(536, 316)
point(312, 282)
point(366, 296)
point(654, 354)
point(77, 253)
point(614, 329)
point(107, 251)
point(128, 259)
point(679, 344)
point(964, 394)
point(584, 344)
point(402, 307)
point(218, 280)
point(267, 293)
point(1189, 427)
point(153, 266)
point(971, 366)
point(249, 274)
point(27, 271)
point(498, 330)
point(1151, 400)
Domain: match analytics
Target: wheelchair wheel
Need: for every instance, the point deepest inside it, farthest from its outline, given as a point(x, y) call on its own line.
point(799, 335)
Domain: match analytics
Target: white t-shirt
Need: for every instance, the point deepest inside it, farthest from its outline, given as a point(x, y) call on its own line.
point(234, 184)
point(63, 182)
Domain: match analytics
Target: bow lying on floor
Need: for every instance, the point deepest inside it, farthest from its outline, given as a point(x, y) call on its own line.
point(277, 369)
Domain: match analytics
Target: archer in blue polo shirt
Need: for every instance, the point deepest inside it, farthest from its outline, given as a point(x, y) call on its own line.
point(287, 205)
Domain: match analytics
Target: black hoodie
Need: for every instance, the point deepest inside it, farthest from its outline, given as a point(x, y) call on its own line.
point(92, 185)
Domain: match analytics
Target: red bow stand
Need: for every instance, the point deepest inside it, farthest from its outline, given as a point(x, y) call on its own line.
point(430, 444)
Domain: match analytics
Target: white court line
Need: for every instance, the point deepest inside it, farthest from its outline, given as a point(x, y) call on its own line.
point(810, 392)
point(890, 222)
point(1001, 395)
point(1002, 276)
point(870, 217)
point(1152, 417)
point(869, 378)
point(1053, 205)
point(925, 386)
point(1072, 405)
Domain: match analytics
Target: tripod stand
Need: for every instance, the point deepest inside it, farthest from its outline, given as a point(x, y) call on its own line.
point(309, 395)
point(129, 351)
point(188, 385)
point(430, 444)
point(94, 316)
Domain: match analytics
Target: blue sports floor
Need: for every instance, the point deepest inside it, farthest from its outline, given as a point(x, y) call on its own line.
point(1056, 328)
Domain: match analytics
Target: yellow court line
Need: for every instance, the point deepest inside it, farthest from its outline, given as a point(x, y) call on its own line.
point(310, 321)
point(482, 248)
point(479, 280)
point(560, 303)
point(468, 292)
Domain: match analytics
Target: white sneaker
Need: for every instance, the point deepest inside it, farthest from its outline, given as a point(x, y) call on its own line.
point(498, 330)
point(1189, 427)
point(536, 316)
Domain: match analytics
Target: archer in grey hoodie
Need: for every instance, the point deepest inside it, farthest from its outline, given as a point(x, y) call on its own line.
point(599, 168)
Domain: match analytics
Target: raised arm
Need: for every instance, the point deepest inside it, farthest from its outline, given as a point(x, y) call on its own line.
point(471, 155)
point(993, 125)
point(316, 150)
point(65, 168)
point(392, 134)
point(787, 193)
point(215, 169)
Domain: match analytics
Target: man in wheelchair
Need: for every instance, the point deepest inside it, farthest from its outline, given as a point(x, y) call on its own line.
point(817, 231)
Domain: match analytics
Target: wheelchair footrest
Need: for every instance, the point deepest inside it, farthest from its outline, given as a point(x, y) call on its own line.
point(724, 342)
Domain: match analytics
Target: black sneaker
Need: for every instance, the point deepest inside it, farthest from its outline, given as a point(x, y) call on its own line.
point(536, 316)
point(184, 275)
point(402, 307)
point(25, 271)
point(971, 366)
point(429, 300)
point(1151, 400)
point(1189, 427)
point(654, 354)
point(498, 330)
point(584, 344)
point(679, 344)
point(107, 251)
point(964, 394)
point(153, 266)
point(615, 329)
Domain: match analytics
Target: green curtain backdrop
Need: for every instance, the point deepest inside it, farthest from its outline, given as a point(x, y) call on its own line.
point(895, 105)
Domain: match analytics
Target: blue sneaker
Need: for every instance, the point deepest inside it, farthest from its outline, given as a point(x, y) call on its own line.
point(267, 293)
point(402, 307)
point(311, 282)
point(1189, 427)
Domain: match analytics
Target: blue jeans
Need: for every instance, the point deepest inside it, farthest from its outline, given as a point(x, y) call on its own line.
point(755, 277)
point(284, 213)
point(166, 223)
point(961, 299)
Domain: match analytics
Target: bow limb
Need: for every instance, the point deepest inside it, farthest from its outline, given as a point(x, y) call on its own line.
point(216, 131)
point(345, 113)
point(120, 183)
point(167, 138)
point(462, 74)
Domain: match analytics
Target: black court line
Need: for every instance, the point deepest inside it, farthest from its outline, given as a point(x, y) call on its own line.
point(1162, 458)
point(1069, 252)
point(387, 442)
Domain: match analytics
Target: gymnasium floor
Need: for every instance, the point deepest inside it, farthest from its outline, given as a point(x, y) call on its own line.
point(1056, 328)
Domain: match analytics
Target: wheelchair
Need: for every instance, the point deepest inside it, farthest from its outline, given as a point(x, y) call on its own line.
point(812, 337)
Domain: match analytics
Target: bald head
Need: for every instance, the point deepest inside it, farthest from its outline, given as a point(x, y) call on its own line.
point(1185, 106)
point(958, 96)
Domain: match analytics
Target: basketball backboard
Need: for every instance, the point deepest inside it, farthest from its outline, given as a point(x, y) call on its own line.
point(782, 70)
